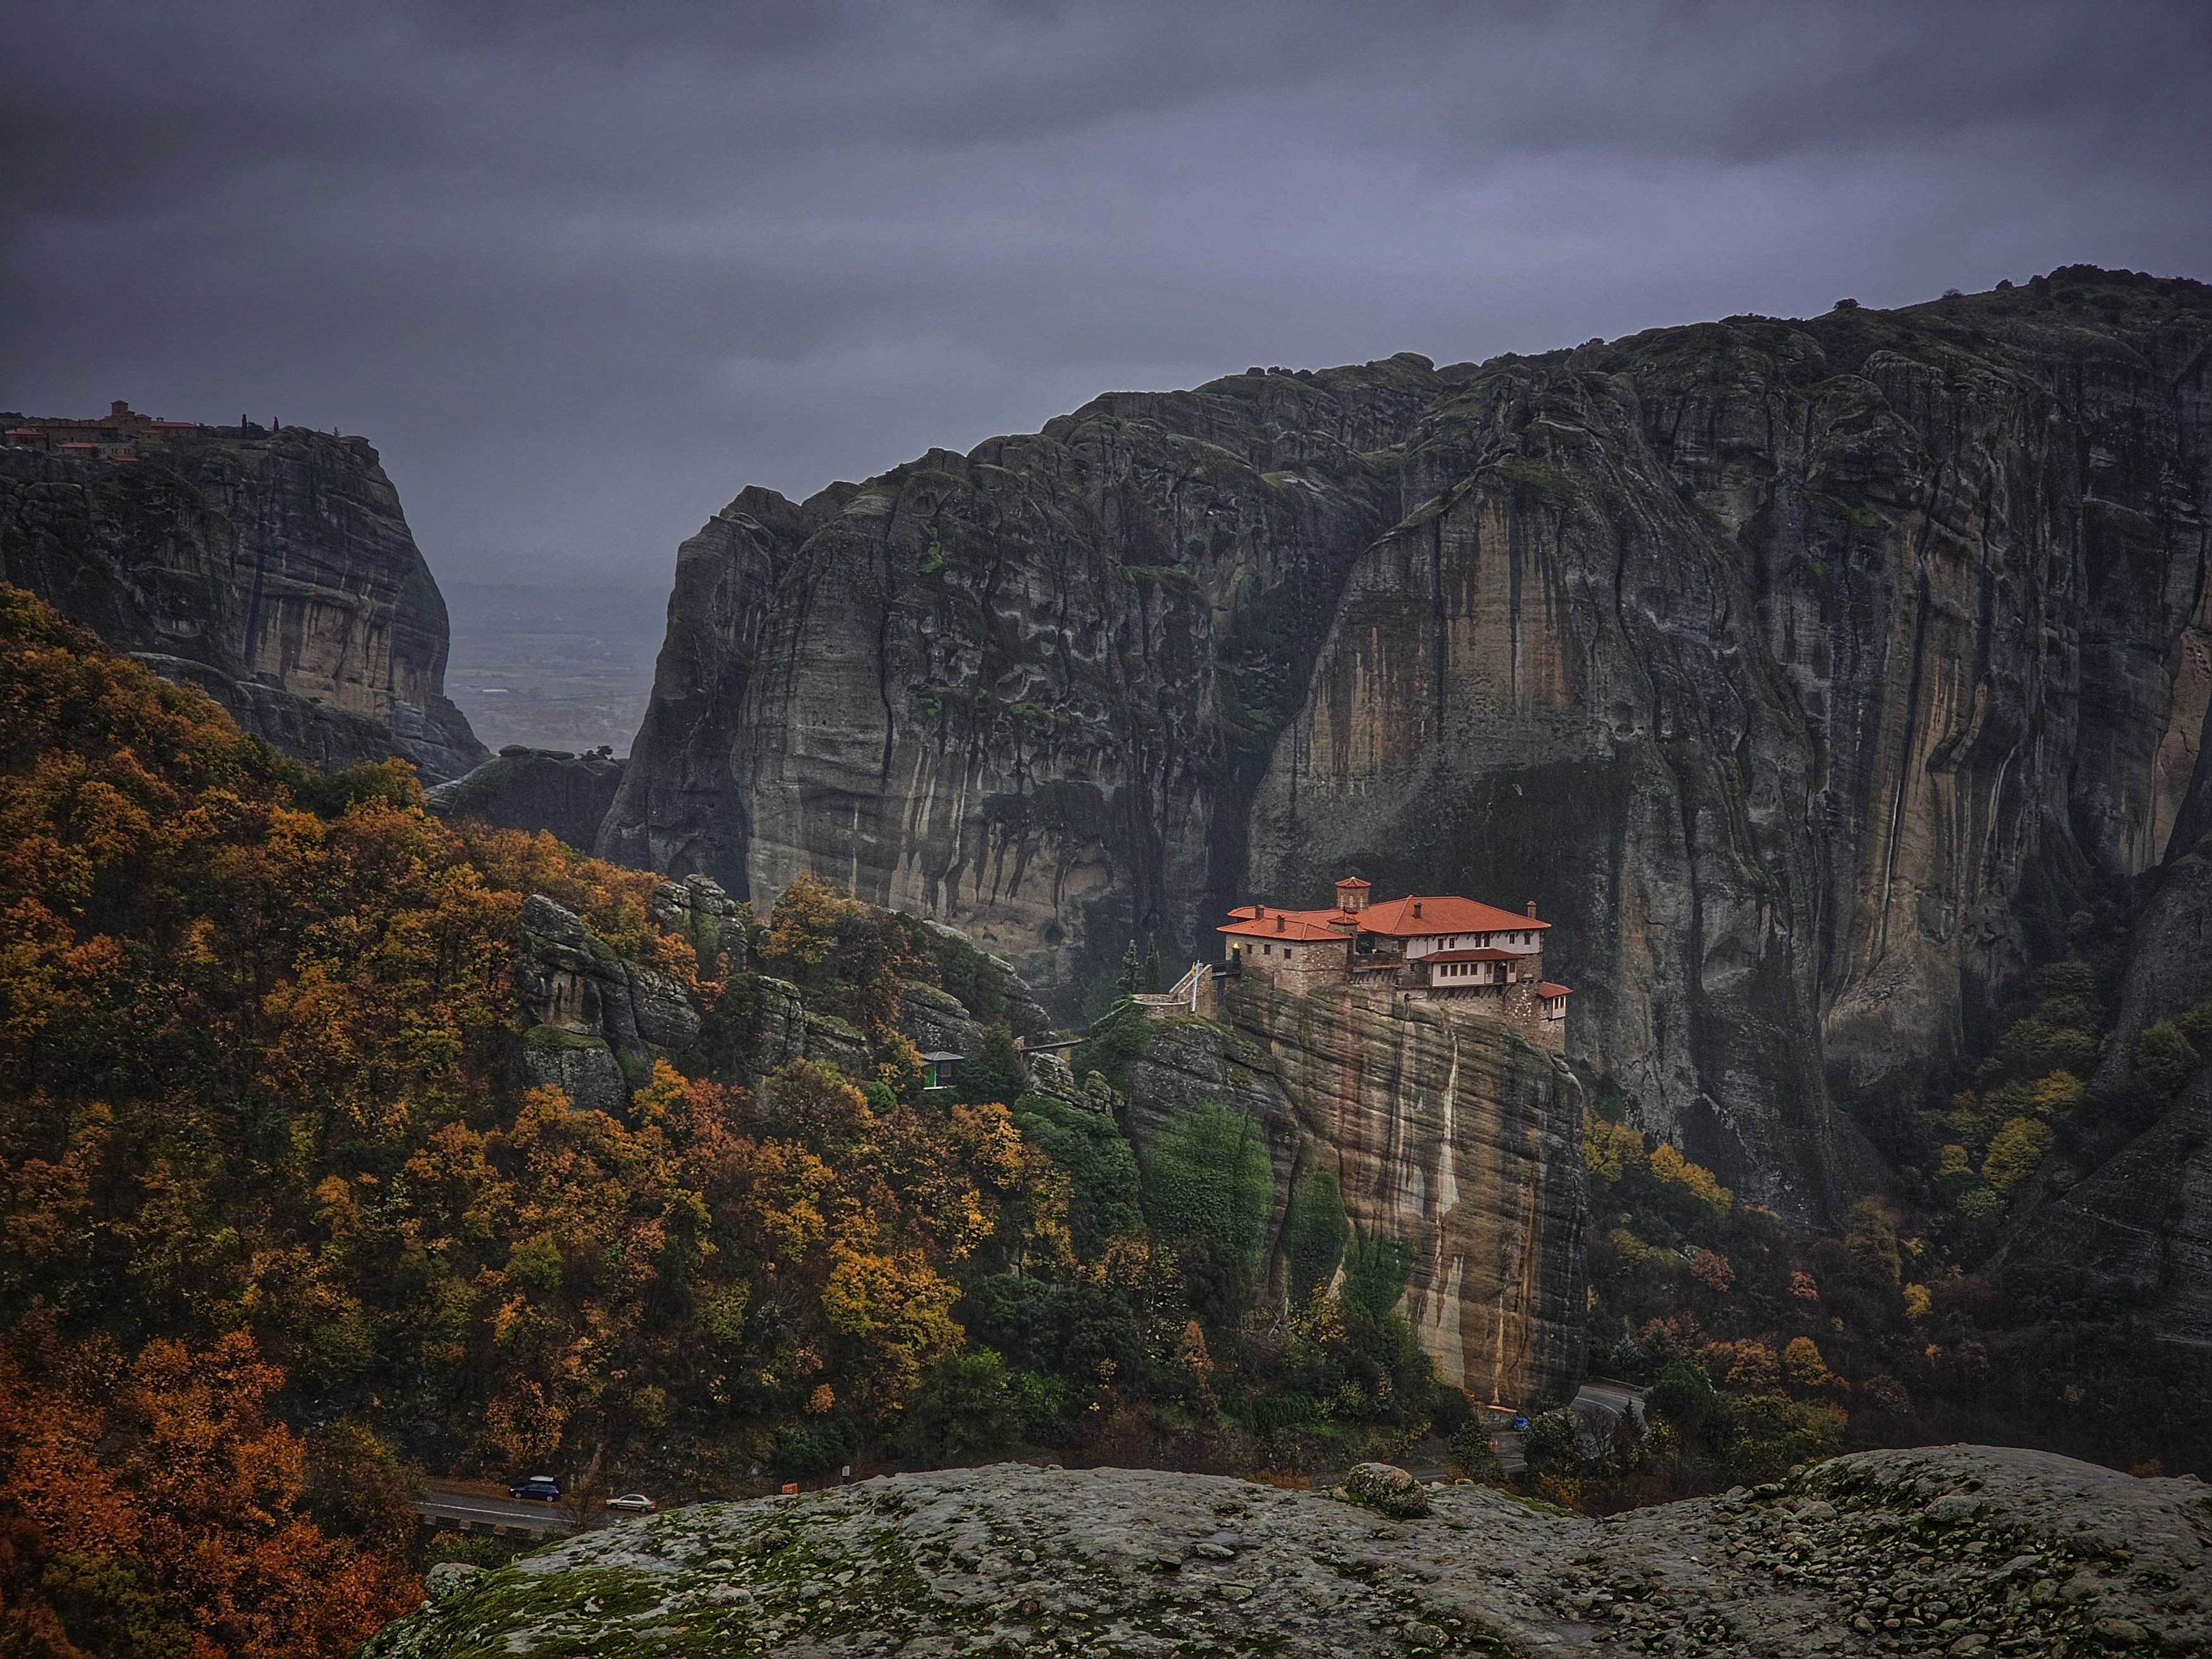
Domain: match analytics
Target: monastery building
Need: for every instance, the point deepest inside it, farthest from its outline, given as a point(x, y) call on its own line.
point(1425, 947)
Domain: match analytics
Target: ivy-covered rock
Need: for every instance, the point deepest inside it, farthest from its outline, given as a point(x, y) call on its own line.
point(1386, 1487)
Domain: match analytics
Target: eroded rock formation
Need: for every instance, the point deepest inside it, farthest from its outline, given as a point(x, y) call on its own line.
point(593, 1023)
point(272, 569)
point(1446, 1131)
point(1770, 658)
point(1964, 1550)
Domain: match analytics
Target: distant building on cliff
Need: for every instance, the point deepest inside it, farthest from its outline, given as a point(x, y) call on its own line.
point(1426, 947)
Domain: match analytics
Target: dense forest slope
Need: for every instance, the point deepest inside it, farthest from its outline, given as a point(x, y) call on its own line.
point(270, 567)
point(1793, 668)
point(336, 1142)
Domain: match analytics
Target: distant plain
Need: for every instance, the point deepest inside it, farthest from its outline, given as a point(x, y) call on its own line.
point(553, 666)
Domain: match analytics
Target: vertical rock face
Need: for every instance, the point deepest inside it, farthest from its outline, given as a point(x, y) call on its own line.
point(275, 569)
point(1013, 689)
point(1445, 1131)
point(1772, 659)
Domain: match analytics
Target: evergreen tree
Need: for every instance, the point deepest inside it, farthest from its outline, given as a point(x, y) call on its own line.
point(1130, 970)
point(1152, 964)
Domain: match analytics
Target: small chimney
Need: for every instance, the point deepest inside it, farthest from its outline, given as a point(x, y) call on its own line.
point(1417, 909)
point(1532, 909)
point(1258, 913)
point(1279, 924)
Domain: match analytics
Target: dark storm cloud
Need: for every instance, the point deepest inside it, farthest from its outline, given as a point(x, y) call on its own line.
point(581, 271)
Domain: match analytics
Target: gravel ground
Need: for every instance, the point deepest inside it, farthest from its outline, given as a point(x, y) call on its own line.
point(1957, 1550)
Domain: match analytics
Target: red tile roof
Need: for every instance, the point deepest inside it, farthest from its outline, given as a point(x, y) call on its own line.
point(1441, 913)
point(1548, 989)
point(1486, 954)
point(1285, 925)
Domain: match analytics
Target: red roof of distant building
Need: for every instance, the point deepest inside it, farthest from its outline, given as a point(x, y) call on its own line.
point(1285, 925)
point(1548, 989)
point(1353, 881)
point(1486, 954)
point(1440, 913)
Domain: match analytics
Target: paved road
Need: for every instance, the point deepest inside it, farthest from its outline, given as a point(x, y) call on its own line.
point(473, 1513)
point(1615, 1397)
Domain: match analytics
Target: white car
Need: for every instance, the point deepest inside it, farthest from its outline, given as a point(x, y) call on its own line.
point(632, 1503)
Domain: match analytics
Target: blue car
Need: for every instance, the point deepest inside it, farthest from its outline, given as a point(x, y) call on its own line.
point(1520, 1423)
point(539, 1489)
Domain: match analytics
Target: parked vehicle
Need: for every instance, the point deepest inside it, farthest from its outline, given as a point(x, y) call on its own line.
point(539, 1489)
point(1520, 1423)
point(632, 1503)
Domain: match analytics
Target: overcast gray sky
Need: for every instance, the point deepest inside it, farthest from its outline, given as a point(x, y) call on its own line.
point(581, 271)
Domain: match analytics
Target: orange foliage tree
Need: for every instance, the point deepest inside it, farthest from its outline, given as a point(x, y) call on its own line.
point(153, 1505)
point(257, 1037)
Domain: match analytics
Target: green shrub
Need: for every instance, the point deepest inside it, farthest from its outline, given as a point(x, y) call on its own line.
point(816, 1449)
point(1117, 1040)
point(1471, 1449)
point(1206, 1176)
point(1062, 1330)
point(966, 1410)
point(1870, 1240)
point(1683, 1397)
point(1375, 1274)
point(973, 977)
point(1283, 1410)
point(1551, 1444)
point(1314, 1232)
point(994, 1072)
point(2164, 1059)
point(1103, 1197)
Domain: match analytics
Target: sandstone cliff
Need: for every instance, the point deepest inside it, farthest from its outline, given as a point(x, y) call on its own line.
point(1772, 659)
point(1445, 1132)
point(272, 569)
point(1964, 1550)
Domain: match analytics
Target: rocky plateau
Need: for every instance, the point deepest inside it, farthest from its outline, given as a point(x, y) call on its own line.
point(1959, 1551)
point(273, 569)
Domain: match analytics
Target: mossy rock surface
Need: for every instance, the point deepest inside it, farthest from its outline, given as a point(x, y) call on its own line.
point(1959, 1549)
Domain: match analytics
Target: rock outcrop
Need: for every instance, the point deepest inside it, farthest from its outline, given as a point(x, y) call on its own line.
point(273, 569)
point(1446, 1132)
point(2137, 1233)
point(1770, 658)
point(1963, 1550)
point(593, 1023)
point(2169, 959)
point(524, 788)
